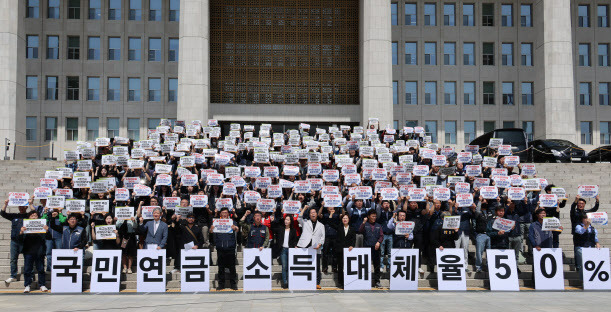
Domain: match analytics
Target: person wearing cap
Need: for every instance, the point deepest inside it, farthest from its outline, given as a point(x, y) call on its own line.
point(372, 238)
point(16, 220)
point(189, 236)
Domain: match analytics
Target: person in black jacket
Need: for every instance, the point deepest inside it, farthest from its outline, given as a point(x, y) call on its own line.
point(346, 238)
point(225, 244)
point(331, 222)
point(187, 233)
point(286, 237)
point(498, 239)
point(482, 240)
point(444, 238)
point(33, 254)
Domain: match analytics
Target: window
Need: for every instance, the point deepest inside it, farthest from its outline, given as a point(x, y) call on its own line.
point(93, 128)
point(395, 92)
point(135, 10)
point(526, 15)
point(603, 93)
point(508, 93)
point(53, 9)
point(509, 124)
point(489, 93)
point(529, 128)
point(93, 50)
point(51, 92)
point(32, 49)
point(173, 51)
point(449, 53)
point(468, 53)
point(583, 12)
point(411, 14)
point(72, 88)
point(52, 47)
point(469, 131)
point(50, 128)
point(586, 132)
point(174, 15)
point(133, 129)
point(32, 7)
point(114, 89)
point(430, 92)
point(469, 93)
point(411, 53)
point(411, 93)
point(507, 15)
point(114, 10)
point(153, 123)
point(450, 132)
point(603, 54)
point(93, 88)
point(395, 57)
point(430, 50)
point(112, 127)
point(114, 49)
point(507, 54)
point(488, 53)
point(585, 89)
point(154, 10)
point(395, 124)
point(488, 14)
point(526, 55)
point(95, 9)
point(430, 129)
point(527, 93)
point(134, 49)
point(467, 15)
point(31, 88)
point(154, 89)
point(489, 126)
point(603, 13)
point(448, 14)
point(74, 47)
point(71, 129)
point(30, 128)
point(133, 89)
point(429, 14)
point(449, 92)
point(154, 50)
point(605, 132)
point(584, 54)
point(74, 9)
point(411, 123)
point(393, 14)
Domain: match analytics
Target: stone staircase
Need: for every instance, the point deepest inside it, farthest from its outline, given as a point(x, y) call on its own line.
point(25, 175)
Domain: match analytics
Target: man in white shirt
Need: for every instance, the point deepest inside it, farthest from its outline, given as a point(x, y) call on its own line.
point(312, 235)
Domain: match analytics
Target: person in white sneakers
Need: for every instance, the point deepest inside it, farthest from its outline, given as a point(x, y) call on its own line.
point(33, 254)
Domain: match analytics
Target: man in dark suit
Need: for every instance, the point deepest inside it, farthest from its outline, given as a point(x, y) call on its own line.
point(156, 231)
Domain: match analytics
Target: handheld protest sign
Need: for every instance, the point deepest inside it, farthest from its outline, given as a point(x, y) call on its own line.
point(18, 199)
point(222, 225)
point(548, 268)
point(257, 269)
point(124, 213)
point(34, 226)
point(451, 269)
point(595, 268)
point(302, 269)
point(550, 224)
point(67, 271)
point(106, 271)
point(598, 218)
point(503, 270)
point(357, 269)
point(451, 222)
point(404, 264)
point(587, 191)
point(151, 270)
point(103, 232)
point(195, 270)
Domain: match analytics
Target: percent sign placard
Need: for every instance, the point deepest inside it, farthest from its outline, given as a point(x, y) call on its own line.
point(595, 268)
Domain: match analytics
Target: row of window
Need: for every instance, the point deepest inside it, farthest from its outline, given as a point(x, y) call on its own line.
point(113, 93)
point(94, 48)
point(584, 54)
point(587, 134)
point(468, 14)
point(92, 127)
point(585, 93)
point(94, 9)
point(449, 53)
point(469, 89)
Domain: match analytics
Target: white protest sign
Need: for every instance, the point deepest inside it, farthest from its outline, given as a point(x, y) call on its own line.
point(417, 194)
point(464, 199)
point(75, 205)
point(512, 161)
point(42, 192)
point(99, 206)
point(390, 193)
point(124, 213)
point(548, 268)
point(587, 191)
point(105, 232)
point(548, 200)
point(266, 205)
point(147, 212)
point(58, 202)
point(302, 269)
point(195, 270)
point(595, 268)
point(529, 169)
point(222, 225)
point(291, 206)
point(106, 271)
point(18, 199)
point(503, 270)
point(462, 187)
point(257, 266)
point(489, 192)
point(121, 194)
point(198, 201)
point(441, 194)
point(67, 271)
point(404, 227)
point(550, 224)
point(451, 269)
point(598, 218)
point(560, 192)
point(404, 269)
point(502, 224)
point(151, 270)
point(357, 269)
point(451, 222)
point(142, 190)
point(34, 226)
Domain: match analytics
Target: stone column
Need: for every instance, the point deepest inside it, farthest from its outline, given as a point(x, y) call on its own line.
point(375, 61)
point(12, 76)
point(193, 61)
point(556, 105)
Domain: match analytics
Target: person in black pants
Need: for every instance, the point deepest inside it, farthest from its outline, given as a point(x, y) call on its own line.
point(225, 244)
point(286, 238)
point(372, 238)
point(346, 238)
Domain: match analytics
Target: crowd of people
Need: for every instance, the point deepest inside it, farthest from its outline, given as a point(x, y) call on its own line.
point(329, 189)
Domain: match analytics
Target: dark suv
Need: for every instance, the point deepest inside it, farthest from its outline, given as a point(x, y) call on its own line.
point(511, 136)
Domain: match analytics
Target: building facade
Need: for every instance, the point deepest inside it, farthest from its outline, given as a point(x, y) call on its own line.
point(74, 70)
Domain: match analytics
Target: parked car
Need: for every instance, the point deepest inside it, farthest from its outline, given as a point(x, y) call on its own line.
point(511, 136)
point(562, 151)
point(602, 153)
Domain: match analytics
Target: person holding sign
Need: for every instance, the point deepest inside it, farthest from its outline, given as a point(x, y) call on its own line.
point(156, 231)
point(499, 239)
point(33, 247)
point(372, 238)
point(482, 240)
point(585, 236)
point(189, 236)
point(403, 240)
point(444, 238)
point(346, 238)
point(54, 238)
point(312, 235)
point(16, 220)
point(536, 235)
point(104, 242)
point(225, 244)
point(286, 237)
point(577, 209)
point(73, 235)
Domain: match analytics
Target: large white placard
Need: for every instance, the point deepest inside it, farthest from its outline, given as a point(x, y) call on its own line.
point(357, 269)
point(595, 268)
point(549, 273)
point(404, 264)
point(106, 271)
point(451, 269)
point(195, 270)
point(503, 270)
point(151, 270)
point(302, 269)
point(67, 271)
point(257, 269)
